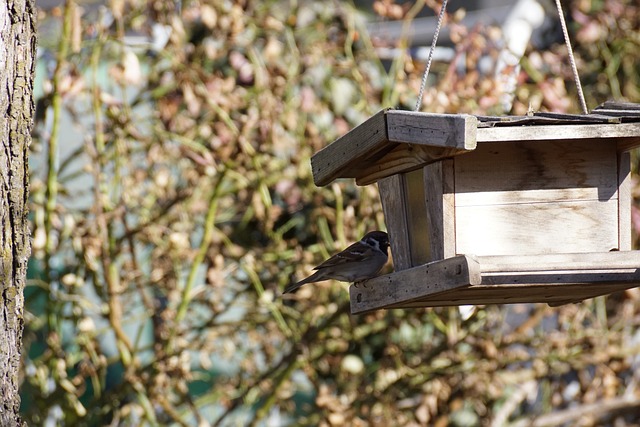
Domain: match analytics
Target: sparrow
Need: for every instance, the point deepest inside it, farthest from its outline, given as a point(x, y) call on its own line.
point(358, 262)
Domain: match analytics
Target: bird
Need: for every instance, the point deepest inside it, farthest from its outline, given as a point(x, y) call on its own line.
point(360, 261)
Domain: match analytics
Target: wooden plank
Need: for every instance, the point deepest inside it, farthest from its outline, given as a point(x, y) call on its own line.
point(440, 204)
point(533, 196)
point(621, 114)
point(393, 198)
point(403, 158)
point(628, 144)
point(510, 198)
point(615, 260)
point(578, 118)
point(423, 138)
point(498, 173)
point(362, 152)
point(561, 132)
point(555, 277)
point(545, 119)
point(554, 294)
point(538, 293)
point(435, 130)
point(448, 208)
point(363, 141)
point(416, 218)
point(416, 282)
point(538, 228)
point(624, 201)
point(549, 278)
point(618, 106)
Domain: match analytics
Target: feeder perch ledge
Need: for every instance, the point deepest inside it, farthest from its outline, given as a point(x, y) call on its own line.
point(487, 210)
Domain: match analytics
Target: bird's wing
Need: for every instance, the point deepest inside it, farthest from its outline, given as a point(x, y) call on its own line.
point(354, 253)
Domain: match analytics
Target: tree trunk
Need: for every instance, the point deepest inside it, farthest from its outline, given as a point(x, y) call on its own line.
point(17, 65)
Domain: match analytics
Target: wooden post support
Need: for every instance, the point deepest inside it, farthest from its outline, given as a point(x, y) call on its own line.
point(394, 204)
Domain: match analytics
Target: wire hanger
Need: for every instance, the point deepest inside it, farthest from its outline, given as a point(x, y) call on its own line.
point(567, 41)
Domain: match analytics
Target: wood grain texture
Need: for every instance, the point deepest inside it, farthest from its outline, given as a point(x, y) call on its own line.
point(537, 197)
point(420, 138)
point(563, 132)
point(624, 201)
point(561, 276)
point(521, 229)
point(403, 158)
point(363, 141)
point(615, 260)
point(391, 142)
point(416, 282)
point(552, 294)
point(419, 239)
point(554, 279)
point(435, 130)
point(627, 144)
point(536, 172)
point(394, 206)
point(440, 207)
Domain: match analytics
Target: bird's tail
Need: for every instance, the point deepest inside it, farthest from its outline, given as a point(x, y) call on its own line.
point(315, 277)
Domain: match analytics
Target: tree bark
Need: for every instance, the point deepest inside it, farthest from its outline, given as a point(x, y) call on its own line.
point(17, 65)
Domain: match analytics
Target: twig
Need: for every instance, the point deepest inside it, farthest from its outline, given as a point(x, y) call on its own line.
point(310, 335)
point(108, 267)
point(51, 191)
point(162, 211)
point(597, 411)
point(209, 227)
point(502, 415)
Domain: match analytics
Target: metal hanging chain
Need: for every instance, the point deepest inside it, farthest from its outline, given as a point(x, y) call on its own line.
point(576, 77)
point(423, 84)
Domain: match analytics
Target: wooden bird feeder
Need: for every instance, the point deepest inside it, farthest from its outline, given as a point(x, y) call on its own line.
point(485, 210)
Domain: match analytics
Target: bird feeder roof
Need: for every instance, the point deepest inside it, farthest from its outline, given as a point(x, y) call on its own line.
point(394, 141)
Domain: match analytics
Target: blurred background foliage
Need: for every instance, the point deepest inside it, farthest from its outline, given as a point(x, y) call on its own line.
point(172, 200)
